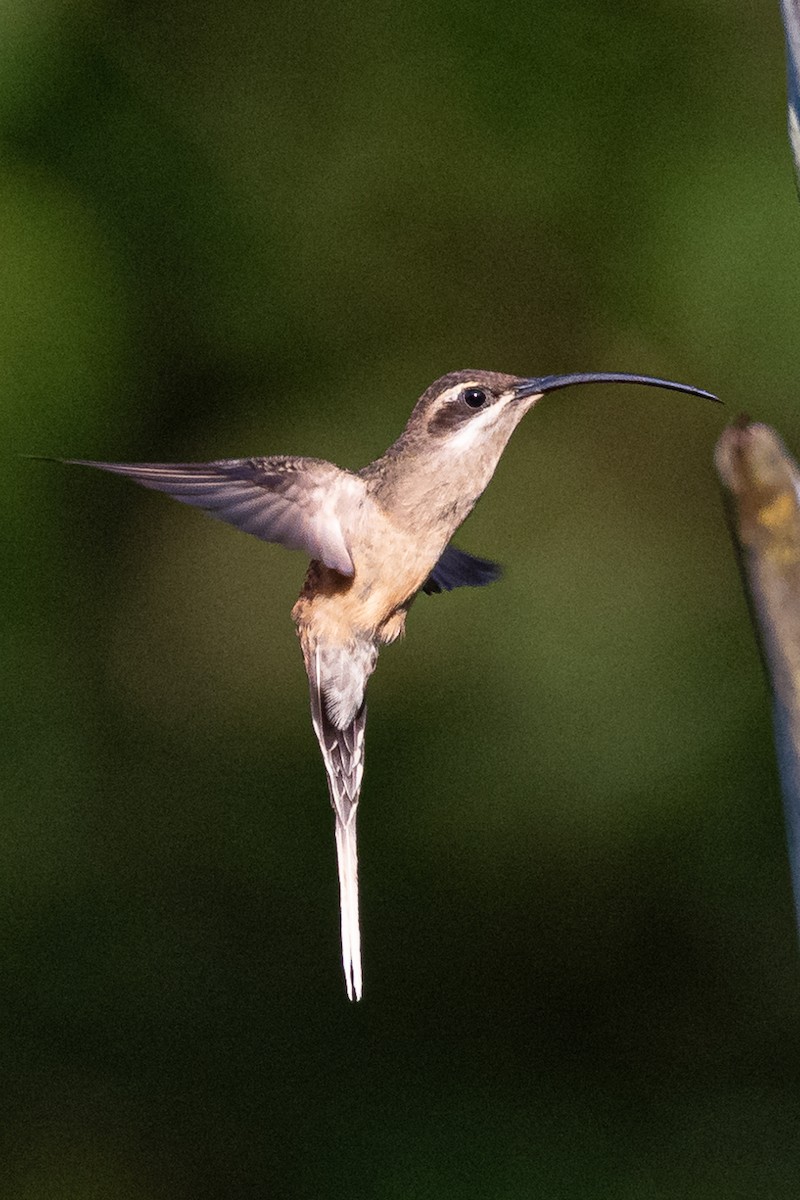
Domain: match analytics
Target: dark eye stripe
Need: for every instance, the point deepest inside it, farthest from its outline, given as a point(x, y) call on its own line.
point(456, 411)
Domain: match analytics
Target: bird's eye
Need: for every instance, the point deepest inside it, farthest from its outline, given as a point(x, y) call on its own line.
point(474, 397)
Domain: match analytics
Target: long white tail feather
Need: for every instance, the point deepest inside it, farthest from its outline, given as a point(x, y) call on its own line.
point(342, 746)
point(348, 896)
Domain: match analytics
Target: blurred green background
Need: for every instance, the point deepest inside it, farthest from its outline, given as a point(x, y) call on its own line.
point(252, 229)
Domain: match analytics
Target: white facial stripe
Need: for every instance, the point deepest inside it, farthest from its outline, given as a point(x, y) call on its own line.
point(452, 394)
point(474, 430)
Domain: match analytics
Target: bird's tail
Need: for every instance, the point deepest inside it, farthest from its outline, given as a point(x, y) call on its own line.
point(348, 900)
point(340, 731)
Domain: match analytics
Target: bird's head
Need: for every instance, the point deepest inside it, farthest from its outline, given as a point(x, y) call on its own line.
point(473, 413)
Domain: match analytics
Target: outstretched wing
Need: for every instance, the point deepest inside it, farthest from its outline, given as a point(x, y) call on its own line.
point(301, 503)
point(456, 568)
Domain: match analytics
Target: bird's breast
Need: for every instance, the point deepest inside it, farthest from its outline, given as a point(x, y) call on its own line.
point(391, 565)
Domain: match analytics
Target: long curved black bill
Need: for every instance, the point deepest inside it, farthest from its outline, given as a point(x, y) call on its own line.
point(549, 383)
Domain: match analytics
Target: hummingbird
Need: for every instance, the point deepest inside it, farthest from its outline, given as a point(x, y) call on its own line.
point(376, 539)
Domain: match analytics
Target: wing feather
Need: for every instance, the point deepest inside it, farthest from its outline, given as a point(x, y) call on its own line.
point(301, 503)
point(456, 568)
